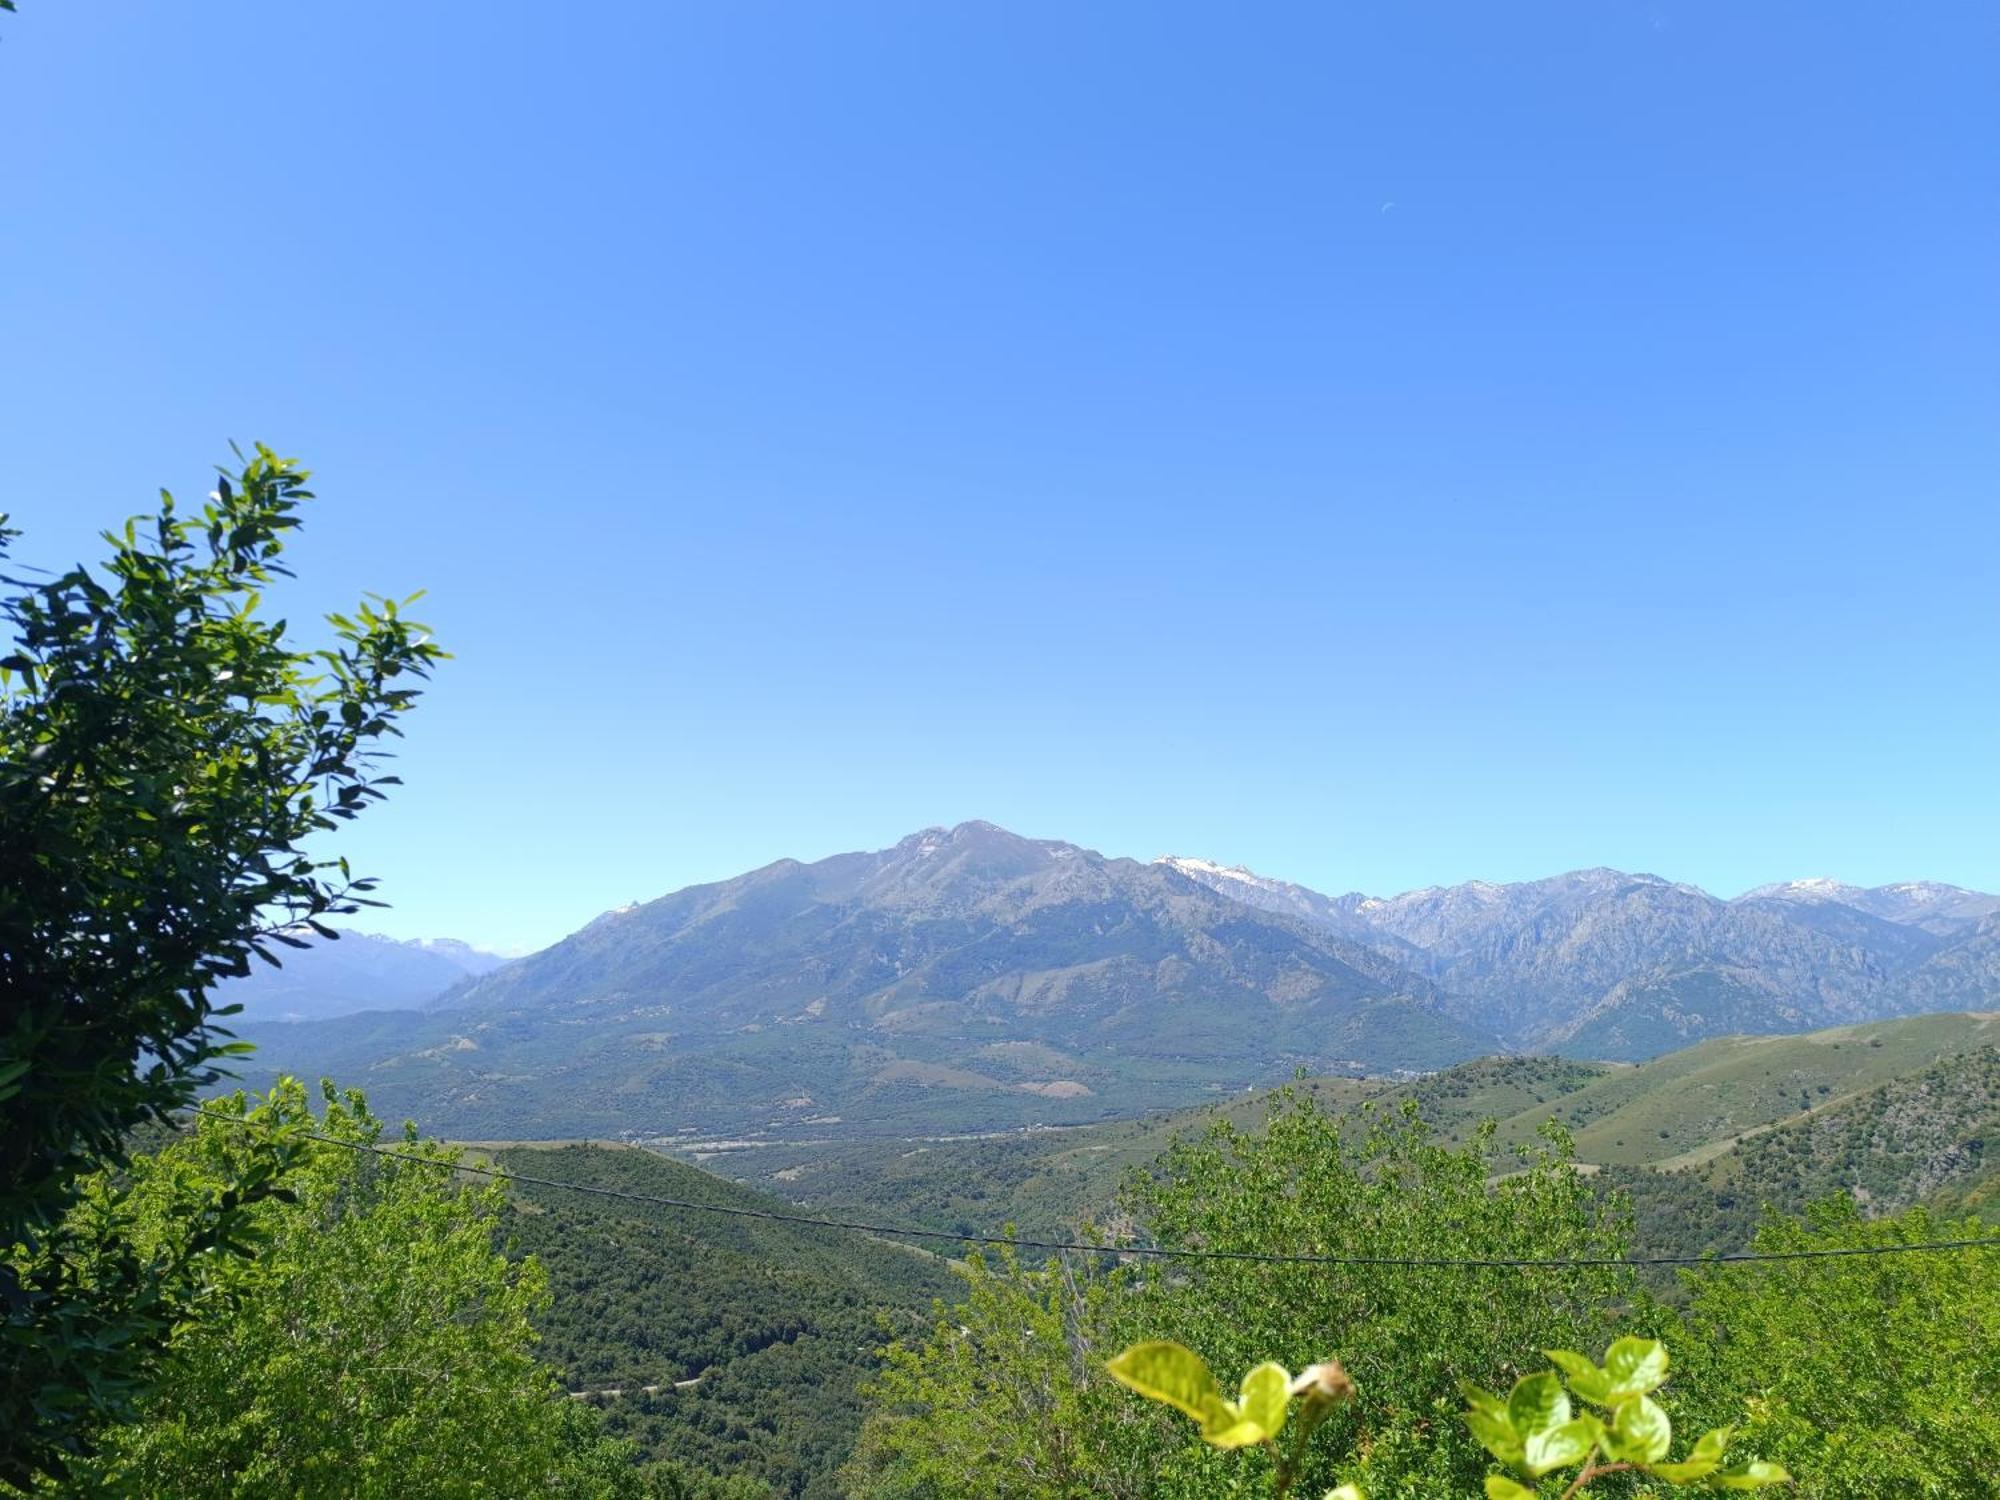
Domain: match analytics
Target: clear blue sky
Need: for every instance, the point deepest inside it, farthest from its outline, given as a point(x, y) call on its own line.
point(1381, 444)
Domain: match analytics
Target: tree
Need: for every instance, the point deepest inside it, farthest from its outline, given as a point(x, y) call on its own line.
point(166, 754)
point(378, 1343)
point(1003, 1397)
point(1869, 1374)
point(1312, 1184)
point(1019, 1387)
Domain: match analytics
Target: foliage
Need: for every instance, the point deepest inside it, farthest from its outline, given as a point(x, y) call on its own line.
point(1015, 1387)
point(737, 1345)
point(1002, 1397)
point(1306, 1186)
point(165, 754)
point(1536, 1432)
point(1868, 1374)
point(1168, 1372)
point(377, 1343)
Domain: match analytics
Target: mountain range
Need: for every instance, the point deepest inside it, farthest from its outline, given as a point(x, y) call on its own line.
point(356, 971)
point(968, 978)
point(1599, 963)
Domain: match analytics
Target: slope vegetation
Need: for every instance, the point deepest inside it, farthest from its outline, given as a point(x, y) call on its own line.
point(733, 1345)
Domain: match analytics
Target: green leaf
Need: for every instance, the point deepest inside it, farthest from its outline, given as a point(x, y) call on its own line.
point(1561, 1446)
point(1754, 1475)
point(1497, 1436)
point(1500, 1487)
point(1703, 1460)
point(1229, 1428)
point(1484, 1400)
point(1265, 1394)
point(1345, 1492)
point(1640, 1432)
point(1635, 1367)
point(1162, 1370)
point(1589, 1382)
point(1538, 1403)
point(1712, 1443)
point(1688, 1471)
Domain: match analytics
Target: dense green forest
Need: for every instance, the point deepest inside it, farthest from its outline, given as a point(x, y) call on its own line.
point(734, 1345)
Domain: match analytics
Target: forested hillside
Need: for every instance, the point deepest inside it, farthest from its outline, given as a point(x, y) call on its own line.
point(719, 1344)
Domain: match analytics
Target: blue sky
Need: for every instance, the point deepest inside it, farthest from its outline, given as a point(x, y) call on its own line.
point(1383, 445)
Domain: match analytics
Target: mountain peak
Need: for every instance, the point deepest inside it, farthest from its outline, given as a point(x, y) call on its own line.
point(1812, 888)
point(1189, 865)
point(973, 833)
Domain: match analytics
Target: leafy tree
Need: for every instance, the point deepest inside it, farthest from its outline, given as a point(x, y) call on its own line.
point(672, 1481)
point(1408, 1333)
point(1003, 1397)
point(1864, 1374)
point(378, 1343)
point(1013, 1385)
point(165, 755)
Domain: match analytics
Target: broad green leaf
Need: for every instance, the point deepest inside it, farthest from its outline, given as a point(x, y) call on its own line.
point(1703, 1460)
point(1688, 1471)
point(1500, 1487)
point(1229, 1428)
point(1265, 1394)
point(1635, 1367)
point(1481, 1399)
point(1561, 1446)
point(1639, 1432)
point(1537, 1403)
point(1585, 1378)
point(1754, 1475)
point(1497, 1436)
point(1345, 1492)
point(1165, 1371)
point(1712, 1443)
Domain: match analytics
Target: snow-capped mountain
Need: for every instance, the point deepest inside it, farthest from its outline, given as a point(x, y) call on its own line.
point(1604, 962)
point(1946, 910)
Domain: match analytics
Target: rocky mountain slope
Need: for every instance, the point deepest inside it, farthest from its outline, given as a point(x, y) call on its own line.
point(964, 977)
point(1600, 963)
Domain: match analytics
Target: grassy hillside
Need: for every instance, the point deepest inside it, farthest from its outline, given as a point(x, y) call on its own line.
point(1927, 1137)
point(1652, 1125)
point(755, 1336)
point(1706, 1095)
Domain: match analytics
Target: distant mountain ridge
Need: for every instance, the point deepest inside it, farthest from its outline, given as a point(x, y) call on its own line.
point(358, 971)
point(1603, 963)
point(968, 978)
point(1944, 910)
point(964, 976)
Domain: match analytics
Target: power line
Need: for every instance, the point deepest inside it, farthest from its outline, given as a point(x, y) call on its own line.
point(1161, 1252)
